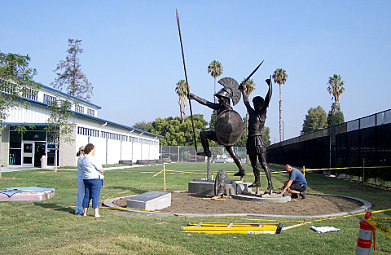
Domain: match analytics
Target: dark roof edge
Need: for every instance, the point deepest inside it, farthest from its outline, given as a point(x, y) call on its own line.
point(87, 117)
point(65, 94)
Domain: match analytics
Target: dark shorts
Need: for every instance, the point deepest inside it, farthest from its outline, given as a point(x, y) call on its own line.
point(298, 187)
point(255, 145)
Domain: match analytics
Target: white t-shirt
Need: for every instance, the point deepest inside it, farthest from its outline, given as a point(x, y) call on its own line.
point(91, 167)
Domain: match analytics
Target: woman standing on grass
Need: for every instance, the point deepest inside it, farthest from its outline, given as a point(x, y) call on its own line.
point(93, 180)
point(80, 183)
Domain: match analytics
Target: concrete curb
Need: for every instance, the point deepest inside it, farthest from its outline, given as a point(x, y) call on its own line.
point(366, 205)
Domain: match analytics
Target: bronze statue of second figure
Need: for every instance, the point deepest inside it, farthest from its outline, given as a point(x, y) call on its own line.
point(255, 145)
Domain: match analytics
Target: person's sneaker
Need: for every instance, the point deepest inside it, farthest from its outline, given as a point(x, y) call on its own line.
point(240, 173)
point(302, 194)
point(294, 196)
point(205, 153)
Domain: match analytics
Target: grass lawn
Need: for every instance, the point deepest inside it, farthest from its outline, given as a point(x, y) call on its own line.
point(50, 226)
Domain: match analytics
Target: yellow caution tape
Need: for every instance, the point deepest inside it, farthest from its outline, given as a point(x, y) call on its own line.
point(345, 168)
point(380, 218)
point(199, 173)
point(385, 230)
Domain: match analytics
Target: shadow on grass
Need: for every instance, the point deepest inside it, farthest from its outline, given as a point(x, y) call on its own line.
point(56, 207)
point(132, 189)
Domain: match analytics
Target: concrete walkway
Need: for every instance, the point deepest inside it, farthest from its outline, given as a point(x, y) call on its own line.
point(21, 168)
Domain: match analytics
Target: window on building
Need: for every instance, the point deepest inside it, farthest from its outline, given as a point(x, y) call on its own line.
point(88, 131)
point(30, 94)
point(15, 148)
point(114, 136)
point(47, 99)
point(7, 87)
point(79, 108)
point(90, 112)
point(63, 102)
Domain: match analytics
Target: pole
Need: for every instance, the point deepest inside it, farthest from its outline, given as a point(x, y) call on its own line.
point(208, 169)
point(363, 170)
point(164, 177)
point(187, 83)
point(304, 171)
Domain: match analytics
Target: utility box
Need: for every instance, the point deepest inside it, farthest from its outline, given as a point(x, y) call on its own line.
point(44, 161)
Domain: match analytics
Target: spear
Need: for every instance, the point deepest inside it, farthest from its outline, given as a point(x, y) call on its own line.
point(187, 83)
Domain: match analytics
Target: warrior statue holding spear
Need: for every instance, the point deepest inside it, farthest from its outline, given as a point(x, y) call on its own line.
point(229, 124)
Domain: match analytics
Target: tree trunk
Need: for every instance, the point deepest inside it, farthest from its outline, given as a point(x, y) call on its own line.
point(55, 155)
point(280, 114)
point(214, 97)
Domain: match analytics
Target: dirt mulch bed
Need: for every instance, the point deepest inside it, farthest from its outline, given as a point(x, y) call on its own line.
point(184, 202)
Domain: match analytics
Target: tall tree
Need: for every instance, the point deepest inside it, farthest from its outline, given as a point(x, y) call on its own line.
point(212, 121)
point(215, 69)
point(334, 119)
point(143, 125)
point(16, 82)
point(69, 74)
point(176, 133)
point(181, 90)
point(316, 119)
point(59, 127)
point(335, 88)
point(249, 86)
point(280, 77)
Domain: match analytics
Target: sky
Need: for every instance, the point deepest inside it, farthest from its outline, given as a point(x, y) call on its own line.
point(133, 59)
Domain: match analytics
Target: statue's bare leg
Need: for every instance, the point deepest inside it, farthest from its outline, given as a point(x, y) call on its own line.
point(257, 174)
point(262, 160)
point(205, 135)
point(236, 159)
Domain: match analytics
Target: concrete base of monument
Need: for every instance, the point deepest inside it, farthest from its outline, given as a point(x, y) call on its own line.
point(237, 190)
point(152, 200)
point(201, 186)
point(269, 198)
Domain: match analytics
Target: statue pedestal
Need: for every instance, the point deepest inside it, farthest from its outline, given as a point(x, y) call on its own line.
point(201, 186)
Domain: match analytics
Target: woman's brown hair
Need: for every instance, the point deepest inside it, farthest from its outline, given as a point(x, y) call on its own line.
point(89, 147)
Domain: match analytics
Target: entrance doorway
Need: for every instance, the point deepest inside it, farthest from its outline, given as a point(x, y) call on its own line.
point(39, 151)
point(32, 152)
point(27, 153)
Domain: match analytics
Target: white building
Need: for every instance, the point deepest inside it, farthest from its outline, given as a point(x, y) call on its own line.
point(113, 142)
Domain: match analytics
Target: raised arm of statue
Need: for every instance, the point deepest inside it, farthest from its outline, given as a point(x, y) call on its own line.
point(269, 94)
point(245, 98)
point(204, 102)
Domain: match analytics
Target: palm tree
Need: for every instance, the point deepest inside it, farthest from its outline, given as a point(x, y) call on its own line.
point(336, 89)
point(215, 69)
point(280, 77)
point(181, 90)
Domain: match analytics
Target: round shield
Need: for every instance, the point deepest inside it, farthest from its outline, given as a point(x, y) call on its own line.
point(228, 127)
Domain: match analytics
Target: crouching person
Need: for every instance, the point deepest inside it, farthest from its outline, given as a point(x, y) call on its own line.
point(297, 184)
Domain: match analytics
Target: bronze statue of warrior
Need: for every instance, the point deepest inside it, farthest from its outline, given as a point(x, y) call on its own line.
point(229, 124)
point(255, 145)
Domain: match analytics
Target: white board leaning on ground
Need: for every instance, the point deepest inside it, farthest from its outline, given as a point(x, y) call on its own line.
point(113, 141)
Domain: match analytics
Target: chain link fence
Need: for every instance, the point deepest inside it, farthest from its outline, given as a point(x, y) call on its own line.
point(188, 154)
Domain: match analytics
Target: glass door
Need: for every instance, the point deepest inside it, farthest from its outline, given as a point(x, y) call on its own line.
point(28, 153)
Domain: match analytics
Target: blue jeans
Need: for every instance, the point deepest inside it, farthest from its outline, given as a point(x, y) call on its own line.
point(92, 188)
point(81, 190)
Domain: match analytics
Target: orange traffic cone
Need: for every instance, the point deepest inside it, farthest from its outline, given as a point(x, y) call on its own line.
point(364, 241)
